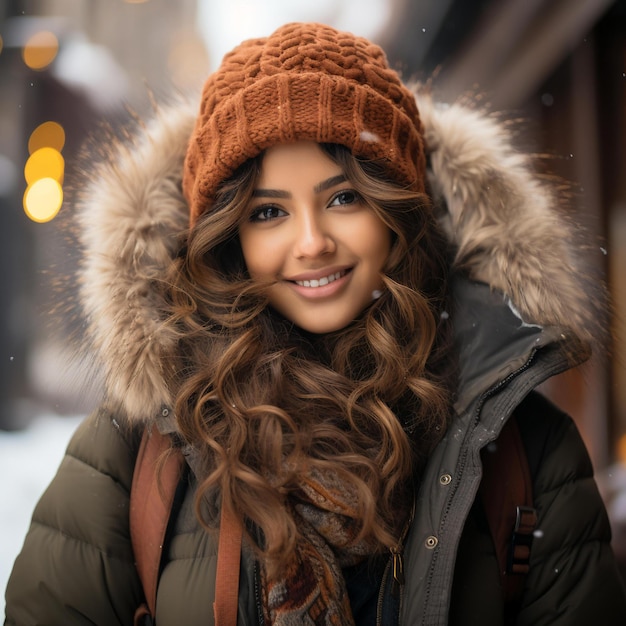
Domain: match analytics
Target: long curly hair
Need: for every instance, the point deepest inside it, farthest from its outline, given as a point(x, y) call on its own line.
point(266, 403)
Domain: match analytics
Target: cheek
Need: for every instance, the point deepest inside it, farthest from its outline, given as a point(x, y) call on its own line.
point(375, 240)
point(385, 245)
point(259, 254)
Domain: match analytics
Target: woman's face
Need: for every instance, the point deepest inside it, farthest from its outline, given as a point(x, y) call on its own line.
point(311, 233)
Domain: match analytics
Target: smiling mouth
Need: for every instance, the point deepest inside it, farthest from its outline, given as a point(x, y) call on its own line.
point(321, 282)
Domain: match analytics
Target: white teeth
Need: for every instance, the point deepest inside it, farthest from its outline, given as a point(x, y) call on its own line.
point(321, 282)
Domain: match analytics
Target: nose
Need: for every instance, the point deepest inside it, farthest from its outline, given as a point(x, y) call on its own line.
point(313, 237)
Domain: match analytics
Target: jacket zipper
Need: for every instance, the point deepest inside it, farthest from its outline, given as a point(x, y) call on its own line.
point(502, 383)
point(257, 594)
point(381, 594)
point(395, 569)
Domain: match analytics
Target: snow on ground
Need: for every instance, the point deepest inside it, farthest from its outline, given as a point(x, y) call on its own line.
point(28, 461)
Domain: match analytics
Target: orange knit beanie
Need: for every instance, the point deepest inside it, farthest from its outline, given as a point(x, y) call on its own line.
point(303, 82)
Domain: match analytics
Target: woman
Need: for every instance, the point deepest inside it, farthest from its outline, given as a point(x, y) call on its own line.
point(330, 364)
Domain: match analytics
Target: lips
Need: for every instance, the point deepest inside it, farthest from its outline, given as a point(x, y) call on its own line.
point(321, 282)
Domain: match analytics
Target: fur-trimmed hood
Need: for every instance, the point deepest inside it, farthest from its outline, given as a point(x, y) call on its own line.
point(504, 222)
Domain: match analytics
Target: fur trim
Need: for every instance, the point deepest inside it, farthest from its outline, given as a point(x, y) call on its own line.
point(505, 224)
point(502, 220)
point(131, 218)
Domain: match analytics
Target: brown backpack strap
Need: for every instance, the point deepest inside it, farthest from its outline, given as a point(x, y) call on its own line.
point(506, 492)
point(151, 498)
point(227, 574)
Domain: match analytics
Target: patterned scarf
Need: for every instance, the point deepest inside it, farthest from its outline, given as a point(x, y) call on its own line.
point(312, 589)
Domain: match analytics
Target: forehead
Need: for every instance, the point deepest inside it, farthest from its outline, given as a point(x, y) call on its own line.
point(293, 163)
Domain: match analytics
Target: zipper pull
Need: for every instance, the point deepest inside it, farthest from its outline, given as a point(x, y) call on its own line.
point(398, 566)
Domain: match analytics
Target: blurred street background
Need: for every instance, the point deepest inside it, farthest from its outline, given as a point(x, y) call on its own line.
point(69, 68)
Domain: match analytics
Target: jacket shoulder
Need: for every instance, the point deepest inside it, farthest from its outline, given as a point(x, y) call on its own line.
point(573, 577)
point(77, 564)
point(549, 433)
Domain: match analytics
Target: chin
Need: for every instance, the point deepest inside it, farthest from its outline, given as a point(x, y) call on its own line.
point(321, 327)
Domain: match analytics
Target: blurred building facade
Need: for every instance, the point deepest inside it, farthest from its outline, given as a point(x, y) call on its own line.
point(561, 67)
point(559, 64)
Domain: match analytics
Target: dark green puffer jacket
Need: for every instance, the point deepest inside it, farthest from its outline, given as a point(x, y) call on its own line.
point(77, 564)
point(523, 309)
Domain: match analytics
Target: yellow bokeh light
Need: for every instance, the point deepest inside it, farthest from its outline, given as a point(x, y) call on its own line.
point(1, 44)
point(43, 200)
point(44, 163)
point(40, 50)
point(47, 135)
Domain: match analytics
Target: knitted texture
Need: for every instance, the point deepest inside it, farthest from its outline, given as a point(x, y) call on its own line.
point(303, 82)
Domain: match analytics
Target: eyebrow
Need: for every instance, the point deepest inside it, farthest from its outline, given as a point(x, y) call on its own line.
point(278, 193)
point(328, 183)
